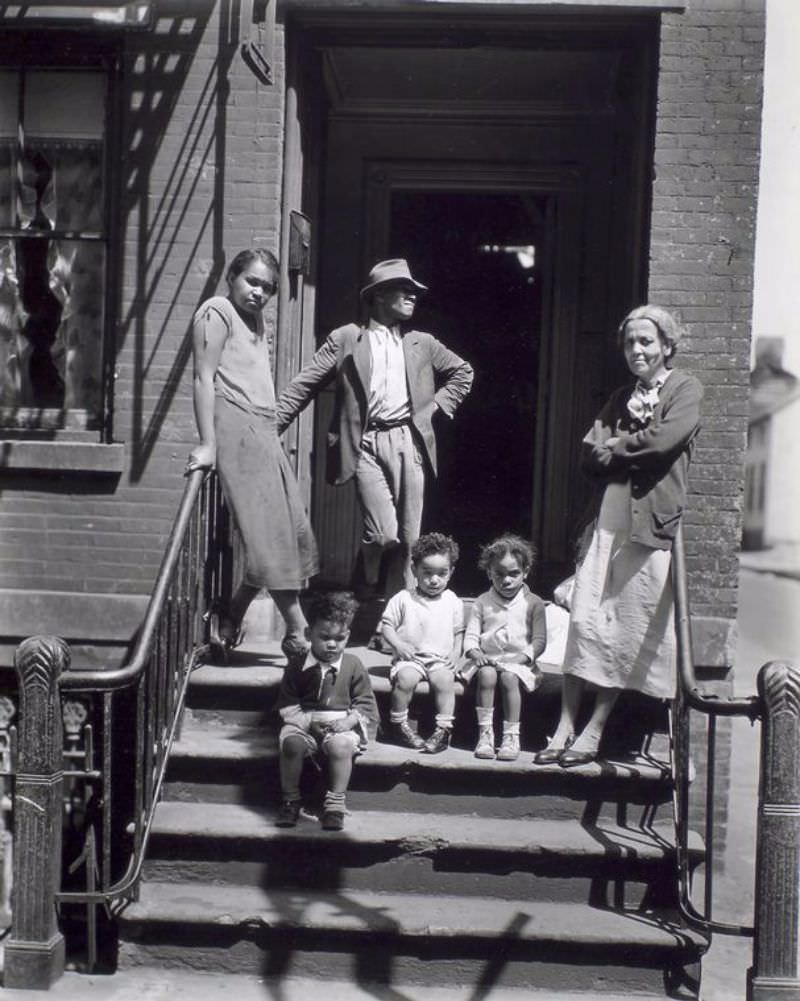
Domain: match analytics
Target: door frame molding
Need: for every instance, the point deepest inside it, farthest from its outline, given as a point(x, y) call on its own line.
point(563, 185)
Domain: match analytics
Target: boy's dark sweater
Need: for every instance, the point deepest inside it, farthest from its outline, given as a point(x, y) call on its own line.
point(352, 690)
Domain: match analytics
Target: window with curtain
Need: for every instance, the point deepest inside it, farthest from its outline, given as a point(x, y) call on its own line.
point(53, 244)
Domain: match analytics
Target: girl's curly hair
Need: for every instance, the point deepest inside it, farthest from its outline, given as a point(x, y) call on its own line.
point(519, 548)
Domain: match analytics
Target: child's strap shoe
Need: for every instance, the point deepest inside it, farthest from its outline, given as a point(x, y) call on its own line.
point(403, 735)
point(485, 745)
point(438, 741)
point(509, 748)
point(288, 813)
point(332, 820)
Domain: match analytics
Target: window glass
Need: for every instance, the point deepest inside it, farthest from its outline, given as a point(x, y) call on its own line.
point(52, 247)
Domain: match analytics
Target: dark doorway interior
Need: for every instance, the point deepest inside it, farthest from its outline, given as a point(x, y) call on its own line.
point(483, 256)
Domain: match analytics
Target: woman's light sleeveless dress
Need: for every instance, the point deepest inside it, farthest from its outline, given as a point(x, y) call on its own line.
point(257, 479)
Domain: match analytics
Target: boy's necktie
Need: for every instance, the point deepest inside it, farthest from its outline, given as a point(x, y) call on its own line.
point(326, 686)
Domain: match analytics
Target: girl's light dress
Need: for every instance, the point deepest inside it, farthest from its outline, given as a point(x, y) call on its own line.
point(256, 476)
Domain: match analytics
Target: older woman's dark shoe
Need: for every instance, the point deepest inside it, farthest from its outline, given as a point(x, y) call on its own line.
point(572, 759)
point(551, 754)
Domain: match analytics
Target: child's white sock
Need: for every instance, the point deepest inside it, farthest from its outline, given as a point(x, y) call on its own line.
point(512, 728)
point(485, 716)
point(445, 722)
point(334, 801)
point(398, 715)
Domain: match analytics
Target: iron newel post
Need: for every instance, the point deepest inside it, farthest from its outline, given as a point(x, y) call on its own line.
point(34, 953)
point(776, 948)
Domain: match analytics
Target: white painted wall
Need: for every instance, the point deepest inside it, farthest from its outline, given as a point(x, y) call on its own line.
point(782, 514)
point(776, 300)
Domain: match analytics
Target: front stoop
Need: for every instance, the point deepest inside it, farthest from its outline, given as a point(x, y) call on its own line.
point(451, 873)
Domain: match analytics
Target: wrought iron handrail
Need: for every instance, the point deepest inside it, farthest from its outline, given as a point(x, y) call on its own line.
point(691, 696)
point(128, 717)
point(775, 972)
point(101, 680)
point(193, 565)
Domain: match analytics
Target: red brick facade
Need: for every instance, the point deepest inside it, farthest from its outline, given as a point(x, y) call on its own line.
point(201, 176)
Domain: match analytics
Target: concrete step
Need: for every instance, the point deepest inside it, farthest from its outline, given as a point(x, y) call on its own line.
point(143, 983)
point(244, 692)
point(231, 763)
point(405, 938)
point(432, 853)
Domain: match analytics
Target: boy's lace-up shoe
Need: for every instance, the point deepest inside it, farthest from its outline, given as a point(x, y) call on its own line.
point(403, 735)
point(332, 820)
point(438, 741)
point(288, 813)
point(485, 745)
point(509, 749)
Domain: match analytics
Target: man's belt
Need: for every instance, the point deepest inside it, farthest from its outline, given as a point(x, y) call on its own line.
point(376, 424)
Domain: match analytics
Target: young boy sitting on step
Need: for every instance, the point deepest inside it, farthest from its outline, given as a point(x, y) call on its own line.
point(424, 628)
point(327, 707)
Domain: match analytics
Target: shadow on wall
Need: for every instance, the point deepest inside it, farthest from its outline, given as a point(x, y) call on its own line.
point(158, 65)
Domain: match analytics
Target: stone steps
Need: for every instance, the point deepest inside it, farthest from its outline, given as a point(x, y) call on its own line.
point(431, 853)
point(402, 938)
point(451, 872)
point(232, 763)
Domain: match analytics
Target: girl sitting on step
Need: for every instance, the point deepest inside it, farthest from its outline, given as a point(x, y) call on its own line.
point(506, 633)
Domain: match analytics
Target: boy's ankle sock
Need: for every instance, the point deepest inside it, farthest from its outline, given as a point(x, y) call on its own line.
point(511, 728)
point(485, 716)
point(334, 801)
point(445, 722)
point(398, 715)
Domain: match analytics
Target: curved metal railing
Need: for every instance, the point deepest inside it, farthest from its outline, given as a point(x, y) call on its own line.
point(134, 711)
point(691, 697)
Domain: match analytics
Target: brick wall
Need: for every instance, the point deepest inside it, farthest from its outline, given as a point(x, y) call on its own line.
point(702, 247)
point(199, 180)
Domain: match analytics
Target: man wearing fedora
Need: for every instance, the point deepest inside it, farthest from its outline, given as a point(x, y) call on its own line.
point(389, 383)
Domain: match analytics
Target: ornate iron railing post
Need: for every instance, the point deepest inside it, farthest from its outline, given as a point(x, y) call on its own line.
point(776, 949)
point(34, 953)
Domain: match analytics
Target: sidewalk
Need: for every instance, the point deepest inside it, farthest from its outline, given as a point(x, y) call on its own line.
point(783, 560)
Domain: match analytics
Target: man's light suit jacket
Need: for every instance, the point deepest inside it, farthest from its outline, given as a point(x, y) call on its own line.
point(346, 356)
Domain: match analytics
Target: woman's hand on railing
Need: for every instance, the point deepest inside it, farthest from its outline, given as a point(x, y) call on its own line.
point(202, 456)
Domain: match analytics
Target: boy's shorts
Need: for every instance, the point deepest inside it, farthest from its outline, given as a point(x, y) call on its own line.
point(423, 664)
point(314, 744)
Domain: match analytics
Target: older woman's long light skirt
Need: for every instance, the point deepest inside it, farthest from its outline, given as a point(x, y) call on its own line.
point(621, 632)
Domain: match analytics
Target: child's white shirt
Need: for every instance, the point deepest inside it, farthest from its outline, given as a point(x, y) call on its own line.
point(430, 625)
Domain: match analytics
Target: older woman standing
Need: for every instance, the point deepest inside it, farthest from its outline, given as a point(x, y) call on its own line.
point(621, 633)
point(234, 404)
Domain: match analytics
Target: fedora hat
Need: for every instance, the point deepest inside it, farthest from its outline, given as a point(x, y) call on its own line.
point(395, 271)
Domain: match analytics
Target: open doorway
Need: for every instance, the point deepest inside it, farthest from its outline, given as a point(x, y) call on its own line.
point(511, 168)
point(483, 255)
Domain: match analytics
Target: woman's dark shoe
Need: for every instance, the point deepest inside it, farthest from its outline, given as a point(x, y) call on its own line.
point(222, 634)
point(551, 755)
point(572, 759)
